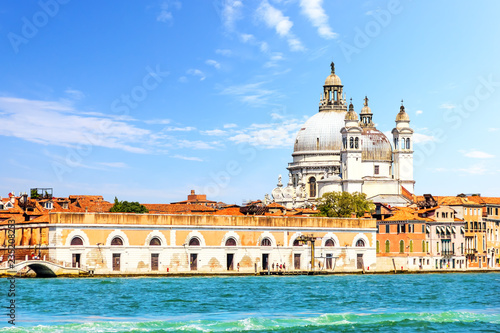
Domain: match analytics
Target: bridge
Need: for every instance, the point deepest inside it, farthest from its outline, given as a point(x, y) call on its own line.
point(42, 268)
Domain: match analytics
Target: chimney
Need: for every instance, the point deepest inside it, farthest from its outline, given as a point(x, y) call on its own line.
point(353, 215)
point(192, 192)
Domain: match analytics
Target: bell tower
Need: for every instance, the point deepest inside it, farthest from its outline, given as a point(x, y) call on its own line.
point(351, 153)
point(403, 150)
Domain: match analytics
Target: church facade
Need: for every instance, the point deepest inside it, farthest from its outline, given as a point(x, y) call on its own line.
point(339, 150)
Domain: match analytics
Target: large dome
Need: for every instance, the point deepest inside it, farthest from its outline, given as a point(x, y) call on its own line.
point(321, 132)
point(375, 145)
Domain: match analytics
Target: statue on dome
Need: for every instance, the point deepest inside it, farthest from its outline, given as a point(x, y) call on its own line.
point(332, 65)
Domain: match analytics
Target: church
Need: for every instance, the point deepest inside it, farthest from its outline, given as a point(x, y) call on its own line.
point(339, 150)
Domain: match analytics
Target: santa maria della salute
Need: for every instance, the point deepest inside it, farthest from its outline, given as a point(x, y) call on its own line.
point(339, 150)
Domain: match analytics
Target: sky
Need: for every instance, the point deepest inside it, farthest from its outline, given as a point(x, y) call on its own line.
point(147, 100)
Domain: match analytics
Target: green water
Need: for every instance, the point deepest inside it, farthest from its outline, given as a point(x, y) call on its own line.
point(353, 303)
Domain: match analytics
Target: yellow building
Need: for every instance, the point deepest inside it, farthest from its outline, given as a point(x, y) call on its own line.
point(149, 244)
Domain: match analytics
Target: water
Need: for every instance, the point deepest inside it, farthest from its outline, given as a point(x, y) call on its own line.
point(351, 303)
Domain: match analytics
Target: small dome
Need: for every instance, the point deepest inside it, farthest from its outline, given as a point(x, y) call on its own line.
point(402, 115)
point(366, 109)
point(351, 114)
point(375, 145)
point(333, 80)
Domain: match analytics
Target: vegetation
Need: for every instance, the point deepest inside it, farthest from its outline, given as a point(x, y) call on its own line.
point(343, 204)
point(128, 207)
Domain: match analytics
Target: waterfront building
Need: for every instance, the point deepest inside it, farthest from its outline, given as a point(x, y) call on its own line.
point(337, 150)
point(253, 238)
point(491, 218)
point(429, 238)
point(475, 229)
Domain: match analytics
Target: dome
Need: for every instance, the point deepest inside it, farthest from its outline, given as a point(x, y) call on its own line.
point(351, 115)
point(375, 145)
point(321, 132)
point(333, 80)
point(402, 115)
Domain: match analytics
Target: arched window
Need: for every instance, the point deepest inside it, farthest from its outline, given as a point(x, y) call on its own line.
point(231, 242)
point(423, 246)
point(351, 142)
point(356, 143)
point(77, 241)
point(194, 242)
point(330, 242)
point(360, 243)
point(387, 246)
point(312, 187)
point(408, 143)
point(155, 241)
point(265, 242)
point(297, 243)
point(401, 246)
point(117, 241)
point(411, 246)
point(378, 247)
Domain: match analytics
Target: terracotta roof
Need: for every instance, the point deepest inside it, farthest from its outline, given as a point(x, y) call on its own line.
point(229, 211)
point(177, 208)
point(406, 214)
point(276, 205)
point(485, 200)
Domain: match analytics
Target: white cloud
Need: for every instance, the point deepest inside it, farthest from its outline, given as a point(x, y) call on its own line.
point(251, 93)
point(282, 24)
point(476, 169)
point(183, 79)
point(493, 129)
point(165, 14)
point(230, 125)
point(213, 63)
point(179, 129)
point(419, 138)
point(272, 135)
point(245, 38)
point(224, 52)
point(231, 12)
point(419, 112)
point(196, 72)
point(274, 59)
point(74, 94)
point(276, 116)
point(114, 164)
point(57, 123)
point(157, 121)
point(187, 158)
point(195, 144)
point(214, 132)
point(447, 106)
point(314, 11)
point(476, 154)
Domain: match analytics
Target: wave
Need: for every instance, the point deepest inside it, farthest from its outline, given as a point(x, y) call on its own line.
point(347, 322)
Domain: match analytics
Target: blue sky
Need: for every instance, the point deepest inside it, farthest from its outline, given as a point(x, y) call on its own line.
point(146, 100)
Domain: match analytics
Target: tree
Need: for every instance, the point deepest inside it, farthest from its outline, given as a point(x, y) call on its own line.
point(128, 207)
point(343, 204)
